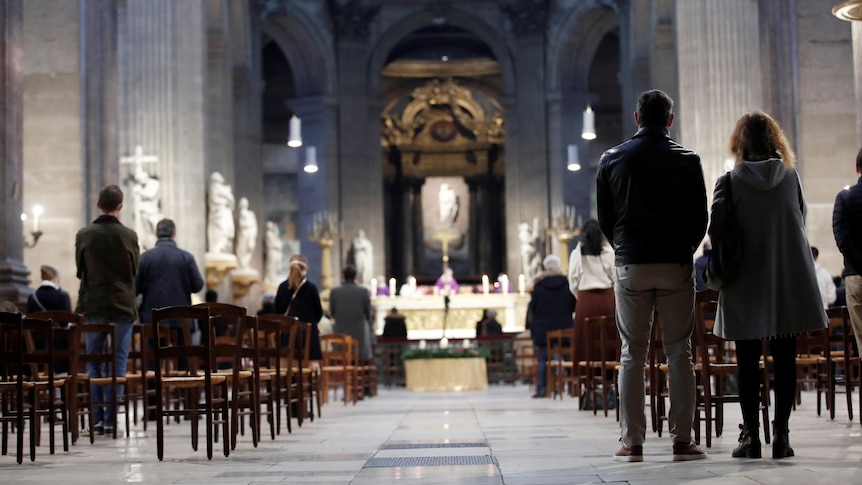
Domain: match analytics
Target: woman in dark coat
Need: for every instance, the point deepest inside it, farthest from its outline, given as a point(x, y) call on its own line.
point(776, 297)
point(298, 297)
point(551, 308)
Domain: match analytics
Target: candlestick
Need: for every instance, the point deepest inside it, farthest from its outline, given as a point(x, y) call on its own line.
point(485, 284)
point(392, 287)
point(522, 284)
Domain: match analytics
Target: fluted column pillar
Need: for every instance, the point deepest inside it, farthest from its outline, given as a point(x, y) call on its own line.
point(13, 273)
point(719, 76)
point(857, 76)
point(163, 106)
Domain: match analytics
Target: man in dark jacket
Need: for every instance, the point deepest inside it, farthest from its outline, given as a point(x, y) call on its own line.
point(168, 275)
point(551, 307)
point(107, 257)
point(651, 202)
point(847, 228)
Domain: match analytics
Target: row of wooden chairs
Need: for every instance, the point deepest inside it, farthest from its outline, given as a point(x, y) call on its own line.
point(245, 367)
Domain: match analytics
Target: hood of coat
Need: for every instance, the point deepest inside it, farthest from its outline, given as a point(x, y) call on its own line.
point(547, 280)
point(762, 175)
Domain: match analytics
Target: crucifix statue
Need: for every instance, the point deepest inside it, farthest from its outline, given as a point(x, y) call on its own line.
point(146, 194)
point(444, 236)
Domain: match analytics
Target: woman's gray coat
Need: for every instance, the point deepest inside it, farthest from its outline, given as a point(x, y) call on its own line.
point(777, 293)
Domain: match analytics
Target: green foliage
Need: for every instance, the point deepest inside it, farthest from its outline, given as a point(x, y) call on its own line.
point(452, 353)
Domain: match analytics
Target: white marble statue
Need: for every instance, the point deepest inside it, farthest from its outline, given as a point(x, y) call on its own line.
point(220, 225)
point(274, 247)
point(361, 256)
point(246, 238)
point(531, 254)
point(146, 193)
point(449, 205)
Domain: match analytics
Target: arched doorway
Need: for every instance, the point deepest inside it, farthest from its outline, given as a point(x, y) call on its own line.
point(443, 159)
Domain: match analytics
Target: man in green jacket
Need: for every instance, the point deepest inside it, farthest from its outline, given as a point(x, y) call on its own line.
point(107, 256)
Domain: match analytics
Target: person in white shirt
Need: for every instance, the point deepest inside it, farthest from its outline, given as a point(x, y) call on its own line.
point(824, 280)
point(591, 280)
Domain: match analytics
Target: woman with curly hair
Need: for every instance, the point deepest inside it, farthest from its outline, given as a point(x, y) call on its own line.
point(776, 296)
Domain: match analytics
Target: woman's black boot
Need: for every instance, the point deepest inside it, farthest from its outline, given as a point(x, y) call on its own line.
point(781, 440)
point(749, 444)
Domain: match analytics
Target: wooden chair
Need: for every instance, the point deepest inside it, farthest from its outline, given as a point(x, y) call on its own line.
point(233, 311)
point(602, 354)
point(14, 389)
point(337, 369)
point(200, 378)
point(560, 370)
point(47, 352)
point(66, 328)
point(309, 377)
point(713, 364)
point(276, 368)
point(387, 353)
point(228, 353)
point(657, 374)
point(839, 364)
point(525, 360)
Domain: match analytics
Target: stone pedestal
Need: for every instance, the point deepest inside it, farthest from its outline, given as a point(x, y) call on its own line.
point(217, 267)
point(242, 281)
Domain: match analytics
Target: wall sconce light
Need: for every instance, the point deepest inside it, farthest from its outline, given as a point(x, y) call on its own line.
point(294, 137)
point(310, 160)
point(573, 163)
point(36, 231)
point(589, 131)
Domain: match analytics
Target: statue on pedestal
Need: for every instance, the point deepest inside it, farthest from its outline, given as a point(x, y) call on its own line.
point(146, 193)
point(361, 256)
point(531, 254)
point(246, 240)
point(220, 225)
point(274, 247)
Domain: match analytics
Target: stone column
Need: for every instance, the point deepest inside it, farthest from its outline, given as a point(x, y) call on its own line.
point(527, 171)
point(13, 273)
point(357, 187)
point(717, 83)
point(99, 109)
point(163, 106)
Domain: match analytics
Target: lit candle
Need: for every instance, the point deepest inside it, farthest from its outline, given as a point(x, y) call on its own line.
point(444, 343)
point(37, 215)
point(504, 282)
point(485, 284)
point(522, 284)
point(373, 287)
point(392, 287)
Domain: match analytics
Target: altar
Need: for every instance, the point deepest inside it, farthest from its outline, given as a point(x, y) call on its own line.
point(452, 374)
point(425, 313)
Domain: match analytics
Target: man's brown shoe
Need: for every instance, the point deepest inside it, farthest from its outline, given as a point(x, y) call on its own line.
point(630, 453)
point(687, 452)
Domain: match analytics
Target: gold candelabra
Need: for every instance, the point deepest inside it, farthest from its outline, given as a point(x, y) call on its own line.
point(564, 228)
point(325, 230)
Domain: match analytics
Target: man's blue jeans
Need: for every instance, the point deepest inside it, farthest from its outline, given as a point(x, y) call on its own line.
point(96, 343)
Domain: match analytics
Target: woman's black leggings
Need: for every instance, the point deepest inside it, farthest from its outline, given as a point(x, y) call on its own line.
point(748, 354)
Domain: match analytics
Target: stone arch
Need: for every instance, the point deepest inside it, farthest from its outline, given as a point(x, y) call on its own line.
point(307, 50)
point(400, 29)
point(571, 51)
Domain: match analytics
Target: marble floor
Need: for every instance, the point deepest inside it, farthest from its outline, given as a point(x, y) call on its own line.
point(496, 436)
